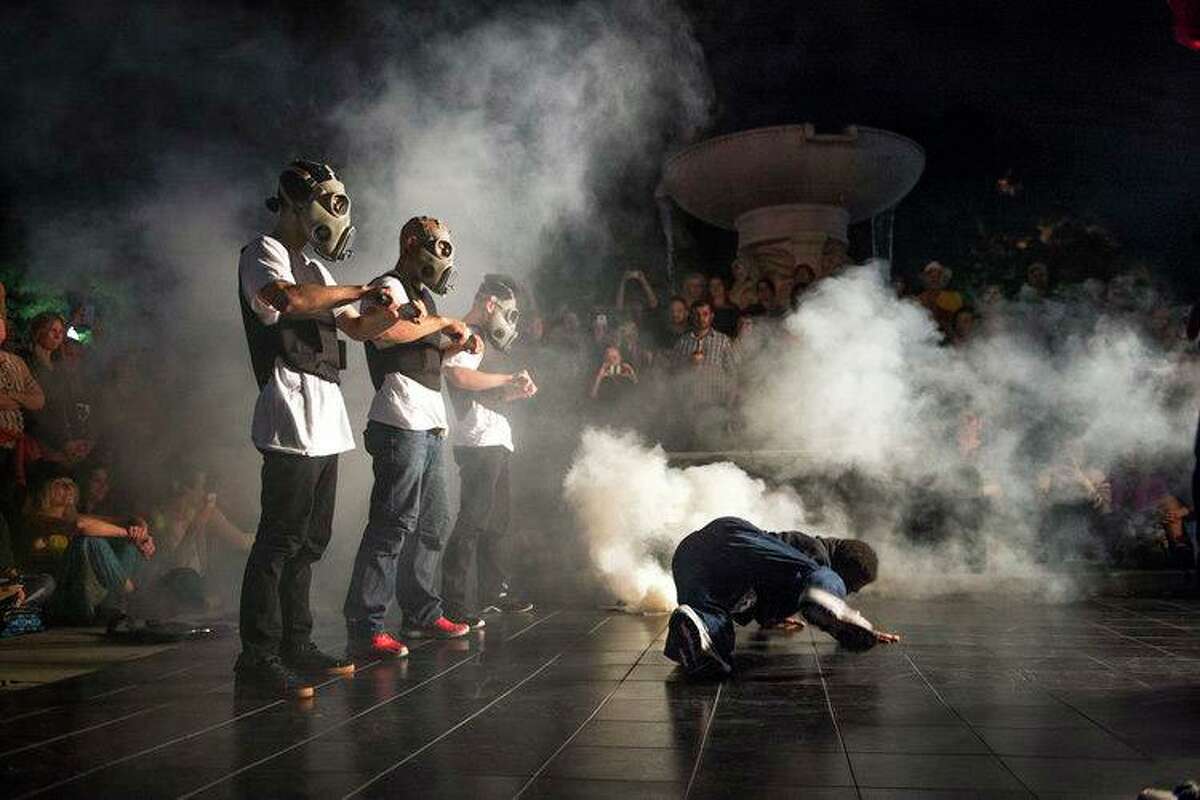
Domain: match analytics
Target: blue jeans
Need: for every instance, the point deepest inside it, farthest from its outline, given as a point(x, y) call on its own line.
point(401, 549)
point(94, 572)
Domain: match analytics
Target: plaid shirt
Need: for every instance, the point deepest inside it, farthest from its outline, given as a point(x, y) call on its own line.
point(711, 382)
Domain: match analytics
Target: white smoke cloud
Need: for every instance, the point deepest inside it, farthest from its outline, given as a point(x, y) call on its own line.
point(857, 388)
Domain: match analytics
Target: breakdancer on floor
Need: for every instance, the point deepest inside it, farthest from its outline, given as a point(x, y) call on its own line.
point(731, 565)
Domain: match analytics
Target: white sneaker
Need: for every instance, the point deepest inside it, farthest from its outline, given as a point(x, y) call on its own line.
point(690, 645)
point(831, 614)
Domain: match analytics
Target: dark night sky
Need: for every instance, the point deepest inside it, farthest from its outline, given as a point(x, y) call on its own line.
point(1092, 104)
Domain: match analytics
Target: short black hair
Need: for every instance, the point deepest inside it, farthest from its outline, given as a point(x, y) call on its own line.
point(856, 562)
point(500, 285)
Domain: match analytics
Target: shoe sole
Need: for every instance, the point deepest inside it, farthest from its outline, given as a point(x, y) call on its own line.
point(696, 653)
point(368, 654)
point(348, 669)
point(298, 693)
point(439, 635)
point(832, 615)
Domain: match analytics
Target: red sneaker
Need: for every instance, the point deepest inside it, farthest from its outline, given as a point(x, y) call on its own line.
point(442, 628)
point(381, 645)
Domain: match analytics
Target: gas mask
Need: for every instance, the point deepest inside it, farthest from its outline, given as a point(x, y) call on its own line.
point(319, 199)
point(501, 324)
point(430, 260)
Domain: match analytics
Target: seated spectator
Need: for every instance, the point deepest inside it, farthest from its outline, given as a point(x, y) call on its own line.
point(962, 326)
point(62, 426)
point(100, 559)
point(803, 279)
point(629, 341)
point(941, 301)
point(1037, 283)
point(694, 288)
point(196, 535)
point(674, 324)
point(22, 594)
point(636, 306)
point(725, 314)
point(19, 393)
point(613, 379)
point(766, 298)
point(744, 291)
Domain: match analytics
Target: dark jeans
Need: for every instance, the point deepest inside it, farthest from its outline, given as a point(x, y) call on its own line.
point(716, 566)
point(298, 495)
point(483, 522)
point(401, 548)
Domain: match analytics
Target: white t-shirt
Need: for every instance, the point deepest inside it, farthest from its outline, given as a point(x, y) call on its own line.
point(401, 401)
point(295, 412)
point(480, 426)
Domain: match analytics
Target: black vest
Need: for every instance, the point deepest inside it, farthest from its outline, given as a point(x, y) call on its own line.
point(420, 360)
point(305, 345)
point(493, 361)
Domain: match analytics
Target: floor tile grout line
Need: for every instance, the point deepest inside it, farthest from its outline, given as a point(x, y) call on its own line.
point(1135, 640)
point(315, 736)
point(712, 716)
point(188, 736)
point(974, 732)
point(375, 707)
point(812, 640)
point(534, 624)
point(81, 731)
point(1089, 718)
point(98, 695)
point(1113, 606)
point(455, 727)
point(621, 682)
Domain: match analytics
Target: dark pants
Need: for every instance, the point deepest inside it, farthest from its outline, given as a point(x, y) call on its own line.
point(716, 566)
point(298, 495)
point(483, 523)
point(401, 549)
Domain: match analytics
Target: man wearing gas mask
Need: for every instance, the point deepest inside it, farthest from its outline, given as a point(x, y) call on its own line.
point(401, 548)
point(292, 312)
point(481, 386)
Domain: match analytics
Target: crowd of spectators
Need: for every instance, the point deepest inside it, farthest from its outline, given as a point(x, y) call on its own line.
point(671, 366)
point(91, 529)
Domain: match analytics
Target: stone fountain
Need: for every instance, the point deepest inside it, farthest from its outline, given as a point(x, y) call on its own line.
point(790, 192)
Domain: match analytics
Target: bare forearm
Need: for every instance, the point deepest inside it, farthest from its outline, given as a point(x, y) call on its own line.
point(366, 327)
point(91, 525)
point(472, 380)
point(299, 299)
point(404, 331)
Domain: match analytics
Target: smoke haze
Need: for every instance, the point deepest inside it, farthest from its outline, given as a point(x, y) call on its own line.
point(951, 461)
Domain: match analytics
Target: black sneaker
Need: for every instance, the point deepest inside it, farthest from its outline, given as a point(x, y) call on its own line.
point(271, 675)
point(470, 620)
point(690, 645)
point(832, 615)
point(308, 660)
point(507, 603)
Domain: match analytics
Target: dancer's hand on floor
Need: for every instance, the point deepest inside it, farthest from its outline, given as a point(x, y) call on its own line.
point(883, 637)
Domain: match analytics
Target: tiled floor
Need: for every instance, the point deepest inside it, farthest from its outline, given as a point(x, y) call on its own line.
point(985, 699)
